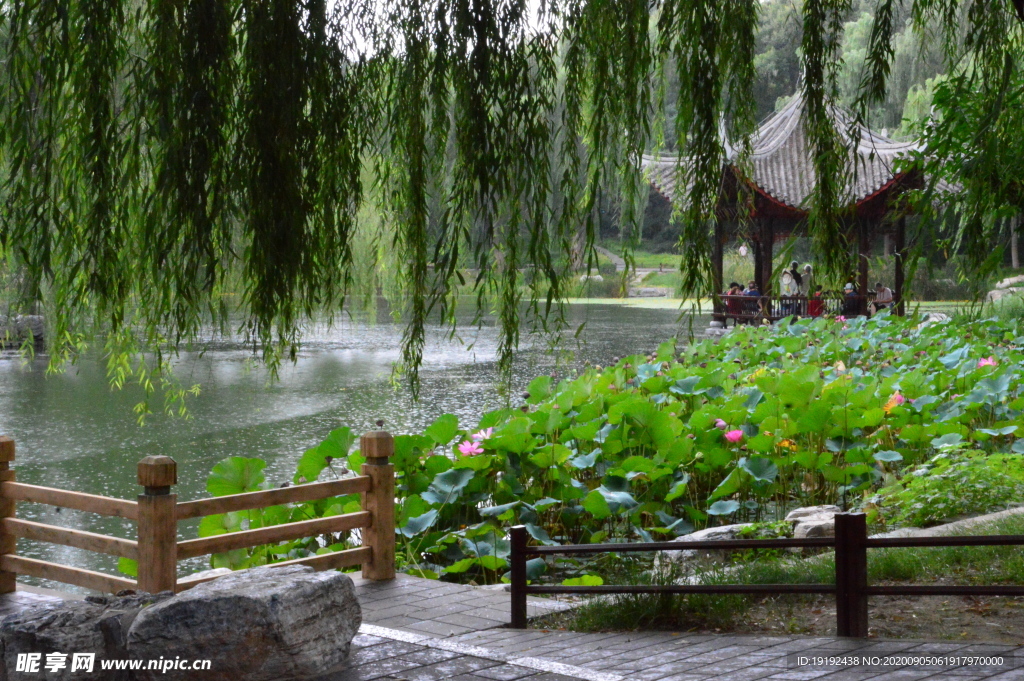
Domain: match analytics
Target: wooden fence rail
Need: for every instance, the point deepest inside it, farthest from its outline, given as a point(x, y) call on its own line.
point(744, 309)
point(157, 512)
point(851, 589)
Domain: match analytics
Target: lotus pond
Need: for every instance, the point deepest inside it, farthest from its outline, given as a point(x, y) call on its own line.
point(914, 423)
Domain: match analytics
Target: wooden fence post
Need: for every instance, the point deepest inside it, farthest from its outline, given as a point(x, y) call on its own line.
point(158, 525)
point(8, 542)
point(377, 448)
point(518, 576)
point(851, 575)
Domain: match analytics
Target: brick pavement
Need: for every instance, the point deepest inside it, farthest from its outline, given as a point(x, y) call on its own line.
point(435, 608)
point(667, 656)
point(534, 655)
point(424, 630)
point(29, 597)
point(469, 622)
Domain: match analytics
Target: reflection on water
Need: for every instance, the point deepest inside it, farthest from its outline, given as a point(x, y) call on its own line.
point(73, 432)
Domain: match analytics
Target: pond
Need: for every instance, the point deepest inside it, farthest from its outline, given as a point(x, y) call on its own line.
point(73, 432)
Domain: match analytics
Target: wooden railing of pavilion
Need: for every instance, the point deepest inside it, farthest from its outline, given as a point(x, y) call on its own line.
point(157, 512)
point(754, 309)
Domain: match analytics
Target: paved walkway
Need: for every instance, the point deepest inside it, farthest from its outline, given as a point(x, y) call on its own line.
point(29, 597)
point(509, 655)
point(424, 630)
point(434, 608)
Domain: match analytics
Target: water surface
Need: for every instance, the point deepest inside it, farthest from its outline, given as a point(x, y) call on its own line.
point(73, 432)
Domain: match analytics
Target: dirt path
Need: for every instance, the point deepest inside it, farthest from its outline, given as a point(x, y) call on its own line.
point(958, 618)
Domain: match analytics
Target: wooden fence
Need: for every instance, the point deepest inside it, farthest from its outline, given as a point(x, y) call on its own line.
point(851, 589)
point(157, 512)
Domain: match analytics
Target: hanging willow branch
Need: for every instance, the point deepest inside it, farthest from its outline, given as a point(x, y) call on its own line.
point(166, 165)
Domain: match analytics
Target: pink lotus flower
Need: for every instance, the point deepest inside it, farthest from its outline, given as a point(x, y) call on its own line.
point(894, 401)
point(482, 435)
point(734, 436)
point(468, 448)
point(840, 318)
point(720, 424)
point(989, 361)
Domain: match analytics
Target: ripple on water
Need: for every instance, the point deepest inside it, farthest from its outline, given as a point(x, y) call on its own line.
point(73, 432)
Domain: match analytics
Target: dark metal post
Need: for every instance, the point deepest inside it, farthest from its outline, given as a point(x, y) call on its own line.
point(518, 558)
point(851, 575)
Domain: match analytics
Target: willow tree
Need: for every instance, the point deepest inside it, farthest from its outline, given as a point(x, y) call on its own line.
point(168, 162)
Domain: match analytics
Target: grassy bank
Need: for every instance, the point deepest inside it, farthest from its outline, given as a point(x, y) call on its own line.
point(807, 614)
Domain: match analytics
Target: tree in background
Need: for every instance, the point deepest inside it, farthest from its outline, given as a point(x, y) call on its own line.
point(166, 163)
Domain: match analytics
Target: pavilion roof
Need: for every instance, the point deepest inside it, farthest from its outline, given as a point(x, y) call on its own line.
point(781, 165)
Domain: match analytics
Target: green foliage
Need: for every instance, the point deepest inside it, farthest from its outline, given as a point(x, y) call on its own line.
point(316, 459)
point(827, 411)
point(236, 475)
point(959, 564)
point(954, 484)
point(694, 611)
point(168, 169)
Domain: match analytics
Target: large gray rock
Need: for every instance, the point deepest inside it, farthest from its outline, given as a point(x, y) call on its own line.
point(649, 292)
point(932, 318)
point(14, 330)
point(97, 625)
point(1000, 293)
point(813, 521)
point(1010, 281)
point(262, 624)
point(721, 533)
point(798, 514)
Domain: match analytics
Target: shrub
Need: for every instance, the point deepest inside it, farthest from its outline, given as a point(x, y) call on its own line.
point(954, 484)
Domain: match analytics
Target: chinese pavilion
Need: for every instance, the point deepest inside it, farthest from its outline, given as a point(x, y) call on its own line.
point(782, 178)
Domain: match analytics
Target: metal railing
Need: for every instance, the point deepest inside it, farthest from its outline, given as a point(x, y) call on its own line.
point(851, 588)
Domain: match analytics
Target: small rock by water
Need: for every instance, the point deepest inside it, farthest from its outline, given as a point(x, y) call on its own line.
point(808, 521)
point(15, 330)
point(1010, 281)
point(814, 521)
point(1000, 293)
point(721, 533)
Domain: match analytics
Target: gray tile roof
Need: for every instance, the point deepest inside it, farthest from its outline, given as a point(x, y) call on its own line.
point(781, 165)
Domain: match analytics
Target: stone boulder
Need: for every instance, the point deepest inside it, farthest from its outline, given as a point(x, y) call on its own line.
point(262, 624)
point(1000, 293)
point(97, 625)
point(648, 292)
point(14, 330)
point(1010, 281)
point(813, 521)
point(721, 533)
point(933, 318)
